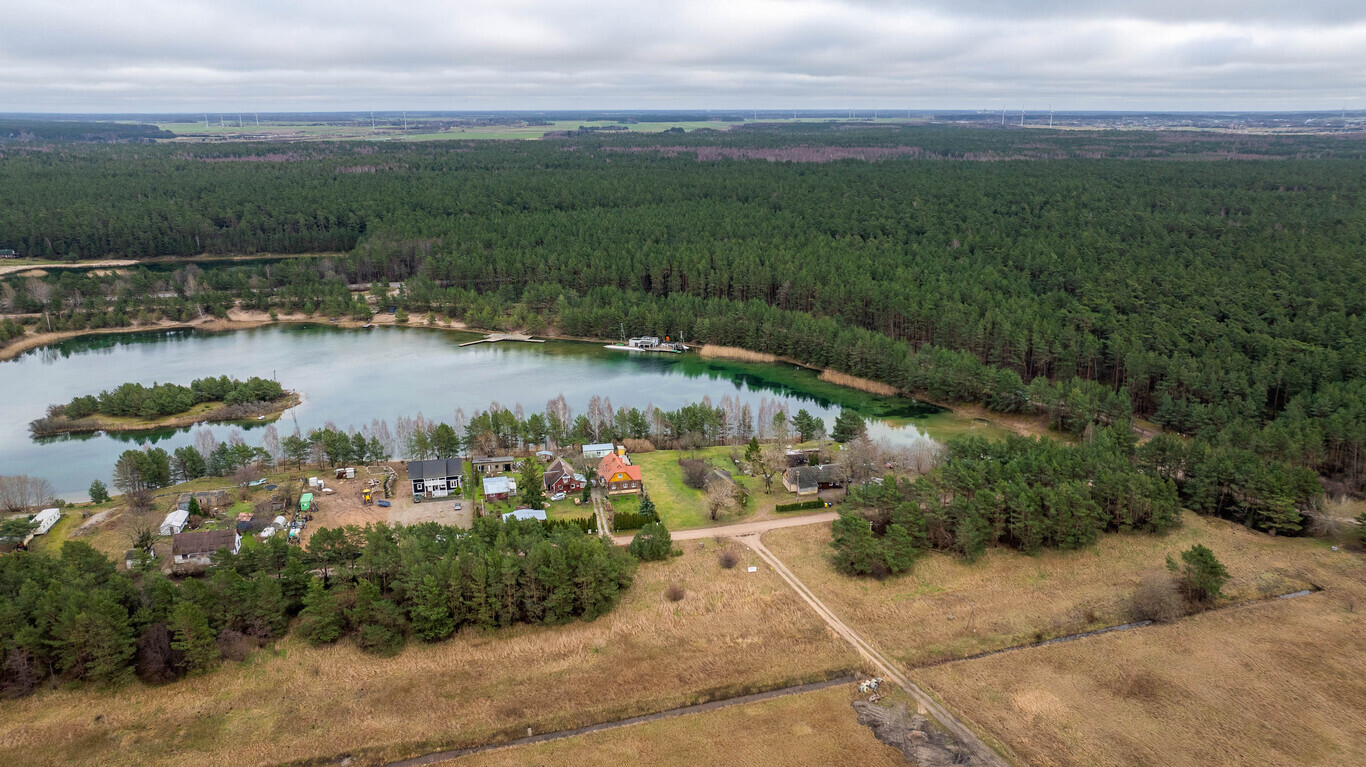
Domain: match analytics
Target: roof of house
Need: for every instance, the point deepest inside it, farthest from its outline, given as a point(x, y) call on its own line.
point(544, 452)
point(495, 485)
point(176, 518)
point(492, 459)
point(441, 468)
point(599, 446)
point(525, 514)
point(611, 463)
point(615, 464)
point(203, 541)
point(47, 514)
point(558, 469)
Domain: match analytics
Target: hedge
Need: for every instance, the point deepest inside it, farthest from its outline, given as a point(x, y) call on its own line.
point(626, 520)
point(582, 523)
point(800, 506)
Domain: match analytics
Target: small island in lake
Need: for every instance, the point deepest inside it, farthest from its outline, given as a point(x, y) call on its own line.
point(135, 407)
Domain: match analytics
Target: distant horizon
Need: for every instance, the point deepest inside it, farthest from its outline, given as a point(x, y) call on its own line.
point(770, 112)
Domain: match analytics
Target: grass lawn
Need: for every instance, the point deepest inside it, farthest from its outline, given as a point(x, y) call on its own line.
point(733, 632)
point(814, 728)
point(948, 607)
point(681, 507)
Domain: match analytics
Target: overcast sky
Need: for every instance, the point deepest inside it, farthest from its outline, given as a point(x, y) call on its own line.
point(297, 55)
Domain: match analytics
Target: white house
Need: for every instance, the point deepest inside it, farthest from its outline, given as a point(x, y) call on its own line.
point(600, 450)
point(46, 519)
point(175, 522)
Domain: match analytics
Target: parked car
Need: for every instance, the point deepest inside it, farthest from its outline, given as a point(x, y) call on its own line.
point(417, 498)
point(457, 506)
point(559, 497)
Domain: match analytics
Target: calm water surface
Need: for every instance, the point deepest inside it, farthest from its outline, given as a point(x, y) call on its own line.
point(350, 377)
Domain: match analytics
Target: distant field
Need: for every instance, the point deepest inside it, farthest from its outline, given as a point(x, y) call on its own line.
point(385, 130)
point(815, 728)
point(948, 607)
point(1278, 683)
point(733, 632)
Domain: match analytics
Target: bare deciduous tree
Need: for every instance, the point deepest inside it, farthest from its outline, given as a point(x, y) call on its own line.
point(21, 492)
point(721, 498)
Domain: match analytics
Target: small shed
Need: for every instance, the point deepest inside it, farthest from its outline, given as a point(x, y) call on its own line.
point(493, 464)
point(600, 450)
point(175, 522)
point(131, 557)
point(525, 514)
point(305, 502)
point(46, 519)
point(497, 488)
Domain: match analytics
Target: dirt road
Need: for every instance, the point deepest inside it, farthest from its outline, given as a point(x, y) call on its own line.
point(739, 529)
point(983, 755)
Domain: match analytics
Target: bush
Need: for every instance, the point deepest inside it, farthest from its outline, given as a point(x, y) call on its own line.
point(728, 559)
point(694, 473)
point(800, 506)
point(1155, 598)
point(1200, 575)
point(652, 543)
point(674, 593)
point(234, 645)
point(638, 445)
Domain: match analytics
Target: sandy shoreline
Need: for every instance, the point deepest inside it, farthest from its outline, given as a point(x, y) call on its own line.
point(239, 319)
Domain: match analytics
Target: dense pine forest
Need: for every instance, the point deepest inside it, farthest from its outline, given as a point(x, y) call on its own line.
point(1211, 283)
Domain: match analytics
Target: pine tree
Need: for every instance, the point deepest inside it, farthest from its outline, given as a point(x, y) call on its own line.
point(652, 543)
point(1200, 575)
point(321, 621)
point(99, 493)
point(193, 637)
point(647, 506)
point(430, 613)
point(848, 426)
point(529, 484)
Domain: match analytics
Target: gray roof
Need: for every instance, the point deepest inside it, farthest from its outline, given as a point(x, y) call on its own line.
point(493, 459)
point(440, 468)
point(525, 514)
point(494, 485)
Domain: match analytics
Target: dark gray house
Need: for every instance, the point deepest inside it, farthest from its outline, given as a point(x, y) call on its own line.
point(438, 478)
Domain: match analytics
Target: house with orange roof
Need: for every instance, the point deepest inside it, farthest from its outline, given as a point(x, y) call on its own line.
point(619, 476)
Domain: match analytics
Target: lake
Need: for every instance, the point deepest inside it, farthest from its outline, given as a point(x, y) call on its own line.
point(350, 377)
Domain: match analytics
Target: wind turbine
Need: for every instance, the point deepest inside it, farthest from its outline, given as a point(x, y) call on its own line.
point(1021, 117)
point(258, 118)
point(1050, 115)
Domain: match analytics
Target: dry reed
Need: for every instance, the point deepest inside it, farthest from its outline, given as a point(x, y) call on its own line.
point(862, 384)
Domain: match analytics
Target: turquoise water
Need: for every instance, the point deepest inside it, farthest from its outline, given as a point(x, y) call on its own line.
point(350, 377)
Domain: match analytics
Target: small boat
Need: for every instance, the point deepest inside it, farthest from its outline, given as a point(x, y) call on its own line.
point(368, 326)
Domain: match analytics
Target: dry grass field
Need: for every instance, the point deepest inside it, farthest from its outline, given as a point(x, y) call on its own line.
point(734, 632)
point(814, 728)
point(948, 607)
point(1276, 683)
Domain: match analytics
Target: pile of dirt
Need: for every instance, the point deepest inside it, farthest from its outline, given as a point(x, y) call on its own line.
point(922, 743)
point(94, 522)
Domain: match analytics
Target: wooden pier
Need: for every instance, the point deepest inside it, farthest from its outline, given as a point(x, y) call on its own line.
point(493, 338)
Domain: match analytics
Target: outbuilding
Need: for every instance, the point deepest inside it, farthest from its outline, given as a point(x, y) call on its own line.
point(437, 478)
point(493, 464)
point(497, 488)
point(600, 450)
point(198, 547)
point(45, 519)
point(175, 522)
point(525, 514)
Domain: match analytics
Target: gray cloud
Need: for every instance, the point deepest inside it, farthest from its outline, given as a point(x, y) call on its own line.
point(190, 55)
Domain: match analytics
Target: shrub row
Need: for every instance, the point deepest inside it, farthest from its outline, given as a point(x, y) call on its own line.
point(629, 521)
point(800, 506)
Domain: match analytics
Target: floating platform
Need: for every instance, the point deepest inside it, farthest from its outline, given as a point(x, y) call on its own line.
point(493, 338)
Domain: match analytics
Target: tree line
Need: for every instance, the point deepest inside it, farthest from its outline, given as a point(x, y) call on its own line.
point(76, 617)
